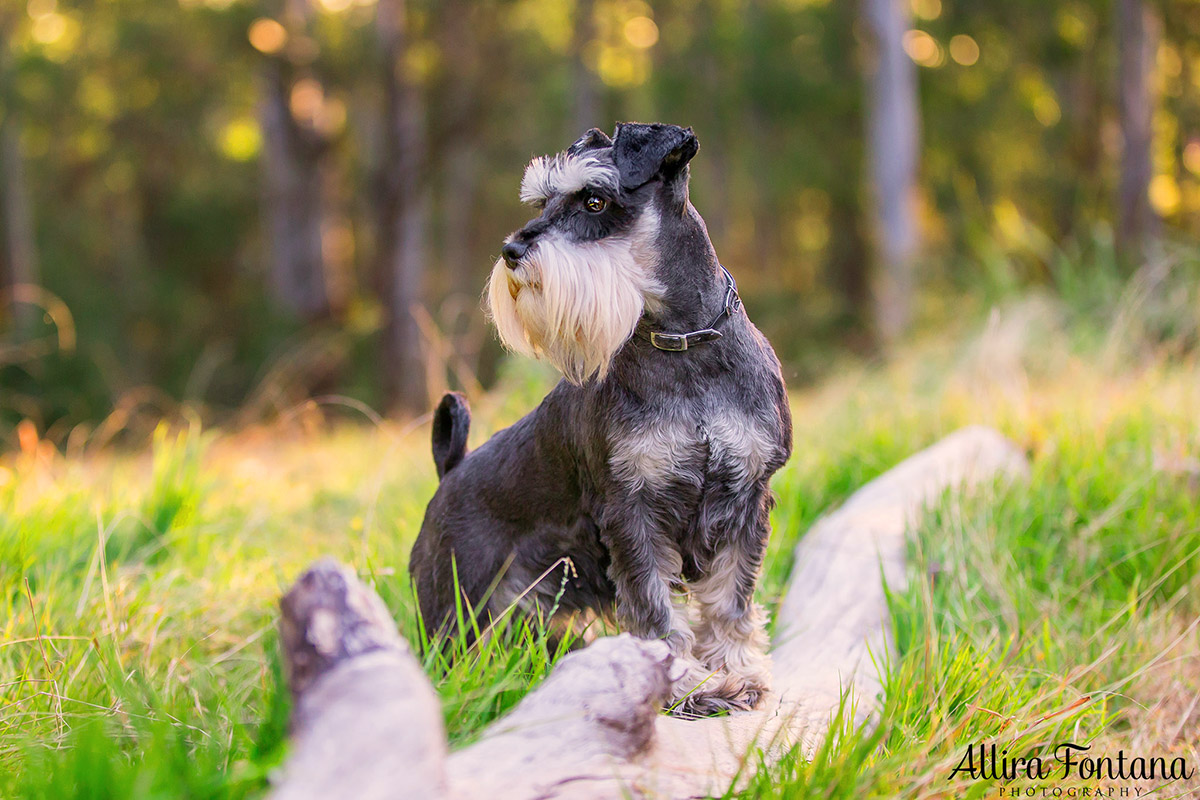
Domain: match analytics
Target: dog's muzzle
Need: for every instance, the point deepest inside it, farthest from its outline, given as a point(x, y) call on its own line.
point(513, 252)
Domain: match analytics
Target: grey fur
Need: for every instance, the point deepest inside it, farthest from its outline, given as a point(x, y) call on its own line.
point(651, 478)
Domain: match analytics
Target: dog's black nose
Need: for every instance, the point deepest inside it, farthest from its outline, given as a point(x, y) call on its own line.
point(513, 252)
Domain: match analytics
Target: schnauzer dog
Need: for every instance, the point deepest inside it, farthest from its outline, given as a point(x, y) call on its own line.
point(640, 484)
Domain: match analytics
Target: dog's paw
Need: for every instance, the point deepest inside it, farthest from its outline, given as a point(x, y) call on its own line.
point(688, 675)
point(708, 705)
point(719, 694)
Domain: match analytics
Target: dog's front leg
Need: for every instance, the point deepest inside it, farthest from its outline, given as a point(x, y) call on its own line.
point(731, 638)
point(651, 599)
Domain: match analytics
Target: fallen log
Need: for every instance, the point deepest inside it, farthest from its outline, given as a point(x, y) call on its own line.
point(367, 724)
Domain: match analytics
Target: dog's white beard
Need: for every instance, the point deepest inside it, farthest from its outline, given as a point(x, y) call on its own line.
point(577, 303)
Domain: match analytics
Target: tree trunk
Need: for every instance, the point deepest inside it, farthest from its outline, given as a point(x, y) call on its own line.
point(294, 159)
point(585, 93)
point(847, 266)
point(462, 101)
point(366, 722)
point(892, 145)
point(1137, 42)
point(460, 192)
point(18, 260)
point(717, 113)
point(404, 214)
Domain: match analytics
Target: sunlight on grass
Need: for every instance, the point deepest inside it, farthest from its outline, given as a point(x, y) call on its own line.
point(138, 644)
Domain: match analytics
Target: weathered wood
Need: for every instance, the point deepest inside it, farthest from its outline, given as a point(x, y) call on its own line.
point(593, 730)
point(835, 615)
point(366, 722)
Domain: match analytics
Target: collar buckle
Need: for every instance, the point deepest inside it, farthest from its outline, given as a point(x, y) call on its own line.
point(679, 342)
point(671, 342)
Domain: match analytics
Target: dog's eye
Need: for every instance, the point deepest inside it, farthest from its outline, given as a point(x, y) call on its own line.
point(594, 204)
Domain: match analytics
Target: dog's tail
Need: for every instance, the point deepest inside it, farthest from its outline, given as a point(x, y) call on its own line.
point(451, 423)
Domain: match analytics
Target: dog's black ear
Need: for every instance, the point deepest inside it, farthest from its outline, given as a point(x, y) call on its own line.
point(592, 140)
point(645, 152)
point(451, 424)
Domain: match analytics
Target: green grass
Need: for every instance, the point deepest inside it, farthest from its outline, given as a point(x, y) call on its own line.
point(138, 655)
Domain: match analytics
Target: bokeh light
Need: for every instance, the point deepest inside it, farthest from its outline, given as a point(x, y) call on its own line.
point(267, 36)
point(923, 49)
point(1191, 157)
point(927, 9)
point(641, 32)
point(964, 50)
point(1164, 194)
point(241, 139)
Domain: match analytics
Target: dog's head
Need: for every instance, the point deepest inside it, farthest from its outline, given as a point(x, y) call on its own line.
point(572, 283)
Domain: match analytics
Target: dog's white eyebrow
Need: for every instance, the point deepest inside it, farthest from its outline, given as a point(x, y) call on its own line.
point(563, 174)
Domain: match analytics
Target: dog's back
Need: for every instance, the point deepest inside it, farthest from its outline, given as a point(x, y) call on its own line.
point(467, 554)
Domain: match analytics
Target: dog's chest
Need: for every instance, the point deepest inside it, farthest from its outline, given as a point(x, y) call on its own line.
point(692, 447)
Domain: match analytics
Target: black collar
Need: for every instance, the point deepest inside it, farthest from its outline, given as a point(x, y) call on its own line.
point(678, 342)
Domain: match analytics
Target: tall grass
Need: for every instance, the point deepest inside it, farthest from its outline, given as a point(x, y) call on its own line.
point(138, 656)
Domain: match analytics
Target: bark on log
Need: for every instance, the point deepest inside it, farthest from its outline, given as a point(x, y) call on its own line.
point(366, 722)
point(367, 725)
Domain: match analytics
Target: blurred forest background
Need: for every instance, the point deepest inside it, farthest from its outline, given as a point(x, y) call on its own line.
point(233, 205)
